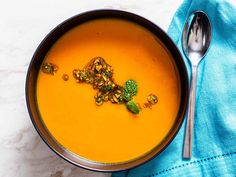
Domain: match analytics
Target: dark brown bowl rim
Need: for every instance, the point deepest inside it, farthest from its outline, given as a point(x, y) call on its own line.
point(68, 24)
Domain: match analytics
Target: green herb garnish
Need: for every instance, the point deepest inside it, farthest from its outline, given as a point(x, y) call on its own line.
point(129, 89)
point(132, 107)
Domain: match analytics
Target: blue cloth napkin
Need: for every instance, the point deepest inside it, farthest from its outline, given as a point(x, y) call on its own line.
point(214, 144)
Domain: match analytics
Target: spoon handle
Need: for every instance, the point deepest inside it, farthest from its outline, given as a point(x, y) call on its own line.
point(187, 153)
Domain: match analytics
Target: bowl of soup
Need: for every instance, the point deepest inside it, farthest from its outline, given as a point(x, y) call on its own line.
point(107, 90)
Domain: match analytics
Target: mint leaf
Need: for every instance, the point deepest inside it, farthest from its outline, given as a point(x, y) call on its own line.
point(132, 107)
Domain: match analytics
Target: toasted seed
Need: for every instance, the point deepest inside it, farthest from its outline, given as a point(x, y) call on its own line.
point(147, 105)
point(117, 95)
point(100, 83)
point(104, 78)
point(49, 68)
point(118, 91)
point(106, 98)
point(65, 77)
point(115, 99)
point(152, 99)
point(99, 103)
point(98, 75)
point(98, 67)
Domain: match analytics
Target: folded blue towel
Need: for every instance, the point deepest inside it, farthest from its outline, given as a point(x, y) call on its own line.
point(214, 143)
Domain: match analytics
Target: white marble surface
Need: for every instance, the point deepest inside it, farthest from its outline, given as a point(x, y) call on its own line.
point(23, 24)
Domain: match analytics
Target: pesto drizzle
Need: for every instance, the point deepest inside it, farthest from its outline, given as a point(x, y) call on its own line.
point(99, 74)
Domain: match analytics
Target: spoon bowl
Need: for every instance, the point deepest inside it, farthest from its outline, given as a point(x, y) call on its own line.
point(196, 36)
point(196, 40)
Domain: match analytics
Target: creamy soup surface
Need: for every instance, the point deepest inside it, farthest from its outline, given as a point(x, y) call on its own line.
point(109, 133)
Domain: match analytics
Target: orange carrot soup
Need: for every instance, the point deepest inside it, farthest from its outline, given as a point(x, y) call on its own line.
point(106, 126)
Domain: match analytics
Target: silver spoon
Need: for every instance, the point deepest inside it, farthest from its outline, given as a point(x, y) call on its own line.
point(196, 39)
